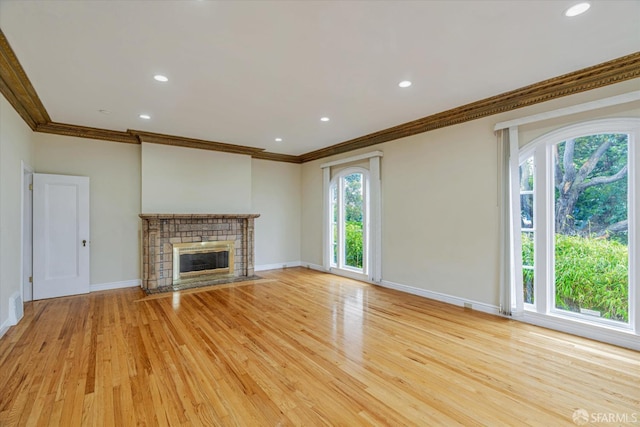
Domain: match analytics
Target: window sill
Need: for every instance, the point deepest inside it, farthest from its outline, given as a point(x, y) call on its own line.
point(351, 274)
point(623, 337)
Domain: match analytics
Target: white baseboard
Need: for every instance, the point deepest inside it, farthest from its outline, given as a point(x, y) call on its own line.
point(608, 335)
point(313, 266)
point(475, 305)
point(115, 285)
point(449, 299)
point(277, 266)
point(16, 308)
point(4, 327)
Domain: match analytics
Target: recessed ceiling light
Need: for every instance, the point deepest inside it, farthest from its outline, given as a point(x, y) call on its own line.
point(324, 119)
point(278, 139)
point(144, 116)
point(404, 83)
point(161, 78)
point(577, 9)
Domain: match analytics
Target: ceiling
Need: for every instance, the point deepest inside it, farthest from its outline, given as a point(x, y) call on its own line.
point(248, 72)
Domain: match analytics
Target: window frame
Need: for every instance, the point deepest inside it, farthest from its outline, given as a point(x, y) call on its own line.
point(544, 263)
point(533, 229)
point(338, 181)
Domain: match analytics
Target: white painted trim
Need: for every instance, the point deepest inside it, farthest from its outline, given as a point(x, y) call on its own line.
point(449, 299)
point(622, 338)
point(375, 220)
point(634, 229)
point(115, 285)
point(277, 266)
point(4, 327)
point(574, 109)
point(352, 159)
point(326, 212)
point(16, 314)
point(515, 290)
point(26, 170)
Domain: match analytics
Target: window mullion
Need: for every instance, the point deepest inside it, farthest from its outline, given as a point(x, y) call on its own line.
point(365, 225)
point(341, 224)
point(542, 178)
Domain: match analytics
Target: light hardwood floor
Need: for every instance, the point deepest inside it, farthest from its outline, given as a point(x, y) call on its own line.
point(299, 348)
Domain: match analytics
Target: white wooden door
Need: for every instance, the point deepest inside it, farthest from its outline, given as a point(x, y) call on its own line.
point(60, 235)
point(27, 234)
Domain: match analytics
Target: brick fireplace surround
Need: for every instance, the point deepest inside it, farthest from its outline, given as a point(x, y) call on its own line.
point(161, 231)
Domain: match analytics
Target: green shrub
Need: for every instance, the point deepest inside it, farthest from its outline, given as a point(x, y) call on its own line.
point(353, 254)
point(590, 273)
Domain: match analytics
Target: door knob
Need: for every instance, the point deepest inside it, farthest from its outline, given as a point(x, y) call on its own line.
point(84, 243)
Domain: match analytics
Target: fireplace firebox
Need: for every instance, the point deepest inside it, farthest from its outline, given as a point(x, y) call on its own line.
point(202, 258)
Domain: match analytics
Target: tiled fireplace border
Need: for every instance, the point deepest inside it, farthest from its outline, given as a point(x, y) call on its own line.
point(161, 231)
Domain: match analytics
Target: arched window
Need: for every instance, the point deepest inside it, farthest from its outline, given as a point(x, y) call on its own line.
point(352, 226)
point(578, 228)
point(349, 214)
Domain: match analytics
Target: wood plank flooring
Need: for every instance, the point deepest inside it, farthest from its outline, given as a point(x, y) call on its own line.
point(299, 348)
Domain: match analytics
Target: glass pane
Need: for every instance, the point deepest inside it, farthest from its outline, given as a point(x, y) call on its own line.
point(591, 226)
point(353, 218)
point(334, 225)
point(527, 284)
point(526, 210)
point(526, 223)
point(527, 266)
point(526, 175)
point(527, 249)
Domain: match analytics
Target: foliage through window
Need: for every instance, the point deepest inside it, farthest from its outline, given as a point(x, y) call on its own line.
point(591, 225)
point(575, 210)
point(527, 228)
point(348, 220)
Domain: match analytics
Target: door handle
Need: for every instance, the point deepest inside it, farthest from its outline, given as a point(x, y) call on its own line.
point(84, 243)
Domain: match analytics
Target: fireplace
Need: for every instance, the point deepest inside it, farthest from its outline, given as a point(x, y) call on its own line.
point(187, 250)
point(195, 260)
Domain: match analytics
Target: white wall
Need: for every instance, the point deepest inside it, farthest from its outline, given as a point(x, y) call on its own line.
point(114, 172)
point(117, 192)
point(276, 196)
point(439, 204)
point(186, 180)
point(312, 209)
point(15, 146)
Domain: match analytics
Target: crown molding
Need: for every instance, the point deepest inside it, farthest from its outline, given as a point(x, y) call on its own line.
point(179, 141)
point(87, 132)
point(267, 155)
point(20, 93)
point(133, 136)
point(604, 74)
point(17, 89)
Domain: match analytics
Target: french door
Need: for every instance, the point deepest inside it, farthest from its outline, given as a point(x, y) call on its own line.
point(349, 221)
